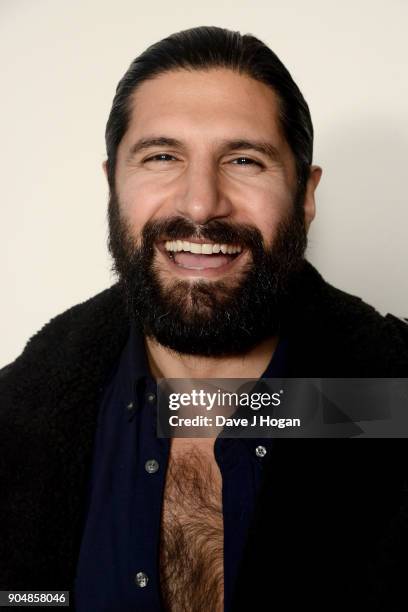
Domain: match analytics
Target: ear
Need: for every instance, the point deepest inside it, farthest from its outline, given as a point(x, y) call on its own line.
point(309, 202)
point(105, 168)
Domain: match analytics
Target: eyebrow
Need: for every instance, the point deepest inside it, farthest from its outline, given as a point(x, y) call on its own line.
point(265, 148)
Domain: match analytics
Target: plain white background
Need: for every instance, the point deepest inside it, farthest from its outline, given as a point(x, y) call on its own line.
point(61, 61)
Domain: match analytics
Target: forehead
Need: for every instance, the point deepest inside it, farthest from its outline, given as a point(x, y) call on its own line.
point(205, 105)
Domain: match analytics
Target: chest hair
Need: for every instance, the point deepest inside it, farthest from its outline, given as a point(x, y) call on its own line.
point(192, 535)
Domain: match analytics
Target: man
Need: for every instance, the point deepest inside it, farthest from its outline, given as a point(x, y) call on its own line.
point(212, 191)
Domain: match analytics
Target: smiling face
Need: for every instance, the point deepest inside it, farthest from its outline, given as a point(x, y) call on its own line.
point(203, 221)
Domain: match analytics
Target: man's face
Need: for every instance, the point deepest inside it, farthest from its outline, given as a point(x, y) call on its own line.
point(204, 227)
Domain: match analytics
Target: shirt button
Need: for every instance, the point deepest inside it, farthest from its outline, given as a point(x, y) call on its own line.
point(151, 397)
point(260, 451)
point(151, 466)
point(141, 579)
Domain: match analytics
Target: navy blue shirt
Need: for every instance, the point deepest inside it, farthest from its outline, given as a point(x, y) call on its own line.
point(118, 566)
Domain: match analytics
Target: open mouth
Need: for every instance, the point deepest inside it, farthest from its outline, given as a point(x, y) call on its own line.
point(200, 255)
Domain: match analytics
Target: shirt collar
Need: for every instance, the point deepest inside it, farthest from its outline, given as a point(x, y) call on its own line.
point(136, 373)
point(133, 368)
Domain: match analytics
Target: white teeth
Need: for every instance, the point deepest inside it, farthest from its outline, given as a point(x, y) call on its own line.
point(195, 248)
point(207, 249)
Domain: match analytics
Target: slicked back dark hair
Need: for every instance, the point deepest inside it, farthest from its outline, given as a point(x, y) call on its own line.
point(204, 48)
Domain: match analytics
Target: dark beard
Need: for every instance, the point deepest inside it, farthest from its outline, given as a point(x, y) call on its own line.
point(208, 318)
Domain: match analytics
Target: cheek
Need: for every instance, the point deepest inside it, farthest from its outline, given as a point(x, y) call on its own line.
point(267, 206)
point(139, 202)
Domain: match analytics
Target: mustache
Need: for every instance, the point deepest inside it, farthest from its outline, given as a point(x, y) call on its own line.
point(217, 231)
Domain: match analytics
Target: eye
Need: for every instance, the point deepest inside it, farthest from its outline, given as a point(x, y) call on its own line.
point(160, 157)
point(246, 161)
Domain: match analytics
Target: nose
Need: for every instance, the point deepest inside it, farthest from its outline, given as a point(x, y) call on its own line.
point(201, 196)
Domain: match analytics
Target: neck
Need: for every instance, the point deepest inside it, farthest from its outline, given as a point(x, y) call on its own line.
point(165, 363)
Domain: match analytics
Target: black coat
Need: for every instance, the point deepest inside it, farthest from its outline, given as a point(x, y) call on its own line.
point(332, 519)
